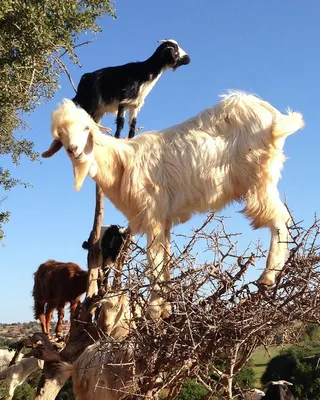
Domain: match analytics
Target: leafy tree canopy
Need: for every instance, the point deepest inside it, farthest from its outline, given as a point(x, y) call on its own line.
point(34, 36)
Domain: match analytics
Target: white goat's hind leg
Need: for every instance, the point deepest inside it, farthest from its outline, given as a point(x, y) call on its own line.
point(166, 307)
point(267, 210)
point(278, 253)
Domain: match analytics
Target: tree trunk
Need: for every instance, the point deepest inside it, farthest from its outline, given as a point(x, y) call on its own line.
point(92, 287)
point(52, 380)
point(82, 330)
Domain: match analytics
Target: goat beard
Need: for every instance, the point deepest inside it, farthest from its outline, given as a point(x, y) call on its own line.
point(80, 171)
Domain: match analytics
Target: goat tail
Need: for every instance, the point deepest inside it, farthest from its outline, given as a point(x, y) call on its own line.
point(287, 124)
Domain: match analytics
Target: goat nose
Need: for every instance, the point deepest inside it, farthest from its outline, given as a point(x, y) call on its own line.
point(72, 148)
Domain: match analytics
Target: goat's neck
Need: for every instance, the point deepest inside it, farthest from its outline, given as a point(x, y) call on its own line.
point(154, 66)
point(110, 170)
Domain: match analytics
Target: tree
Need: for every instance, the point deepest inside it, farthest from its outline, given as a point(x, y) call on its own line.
point(24, 392)
point(246, 378)
point(66, 393)
point(34, 37)
point(218, 317)
point(191, 390)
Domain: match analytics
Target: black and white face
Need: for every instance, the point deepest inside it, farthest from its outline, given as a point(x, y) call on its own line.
point(279, 391)
point(178, 55)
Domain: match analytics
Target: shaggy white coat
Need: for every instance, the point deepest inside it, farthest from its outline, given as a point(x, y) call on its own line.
point(103, 373)
point(106, 371)
point(232, 151)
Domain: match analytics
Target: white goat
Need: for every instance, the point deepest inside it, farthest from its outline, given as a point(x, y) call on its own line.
point(106, 371)
point(116, 317)
point(16, 374)
point(102, 371)
point(232, 151)
point(6, 357)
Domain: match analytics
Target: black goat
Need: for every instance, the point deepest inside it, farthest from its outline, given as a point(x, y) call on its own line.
point(112, 238)
point(279, 390)
point(115, 89)
point(276, 390)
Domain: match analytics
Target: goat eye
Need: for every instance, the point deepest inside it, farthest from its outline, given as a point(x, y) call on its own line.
point(87, 128)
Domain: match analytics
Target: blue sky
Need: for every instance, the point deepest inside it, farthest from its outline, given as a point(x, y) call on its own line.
point(267, 47)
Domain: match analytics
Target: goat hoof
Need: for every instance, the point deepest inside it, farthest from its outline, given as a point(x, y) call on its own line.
point(266, 281)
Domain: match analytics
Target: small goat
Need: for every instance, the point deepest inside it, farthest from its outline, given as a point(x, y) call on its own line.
point(276, 390)
point(115, 89)
point(6, 357)
point(112, 238)
point(14, 375)
point(232, 151)
point(110, 368)
point(116, 317)
point(55, 284)
point(102, 372)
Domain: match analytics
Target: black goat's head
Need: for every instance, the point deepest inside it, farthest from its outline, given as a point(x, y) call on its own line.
point(172, 54)
point(279, 390)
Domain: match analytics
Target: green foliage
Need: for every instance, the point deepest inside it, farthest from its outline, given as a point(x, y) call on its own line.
point(24, 392)
point(5, 342)
point(3, 391)
point(66, 393)
point(296, 365)
point(34, 36)
point(311, 337)
point(192, 390)
point(246, 378)
point(28, 389)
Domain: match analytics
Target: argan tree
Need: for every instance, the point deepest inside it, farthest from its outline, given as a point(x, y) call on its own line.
point(35, 37)
point(218, 317)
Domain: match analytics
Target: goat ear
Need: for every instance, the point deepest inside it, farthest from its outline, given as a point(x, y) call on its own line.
point(85, 245)
point(54, 147)
point(170, 54)
point(125, 230)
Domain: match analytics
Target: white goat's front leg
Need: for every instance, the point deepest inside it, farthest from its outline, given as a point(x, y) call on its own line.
point(158, 258)
point(266, 209)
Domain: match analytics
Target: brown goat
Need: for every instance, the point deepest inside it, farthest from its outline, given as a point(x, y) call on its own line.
point(55, 284)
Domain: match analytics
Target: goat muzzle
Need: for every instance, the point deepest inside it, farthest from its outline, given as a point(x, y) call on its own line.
point(185, 60)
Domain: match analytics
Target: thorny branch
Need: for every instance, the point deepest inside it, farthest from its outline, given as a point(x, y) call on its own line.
point(219, 317)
